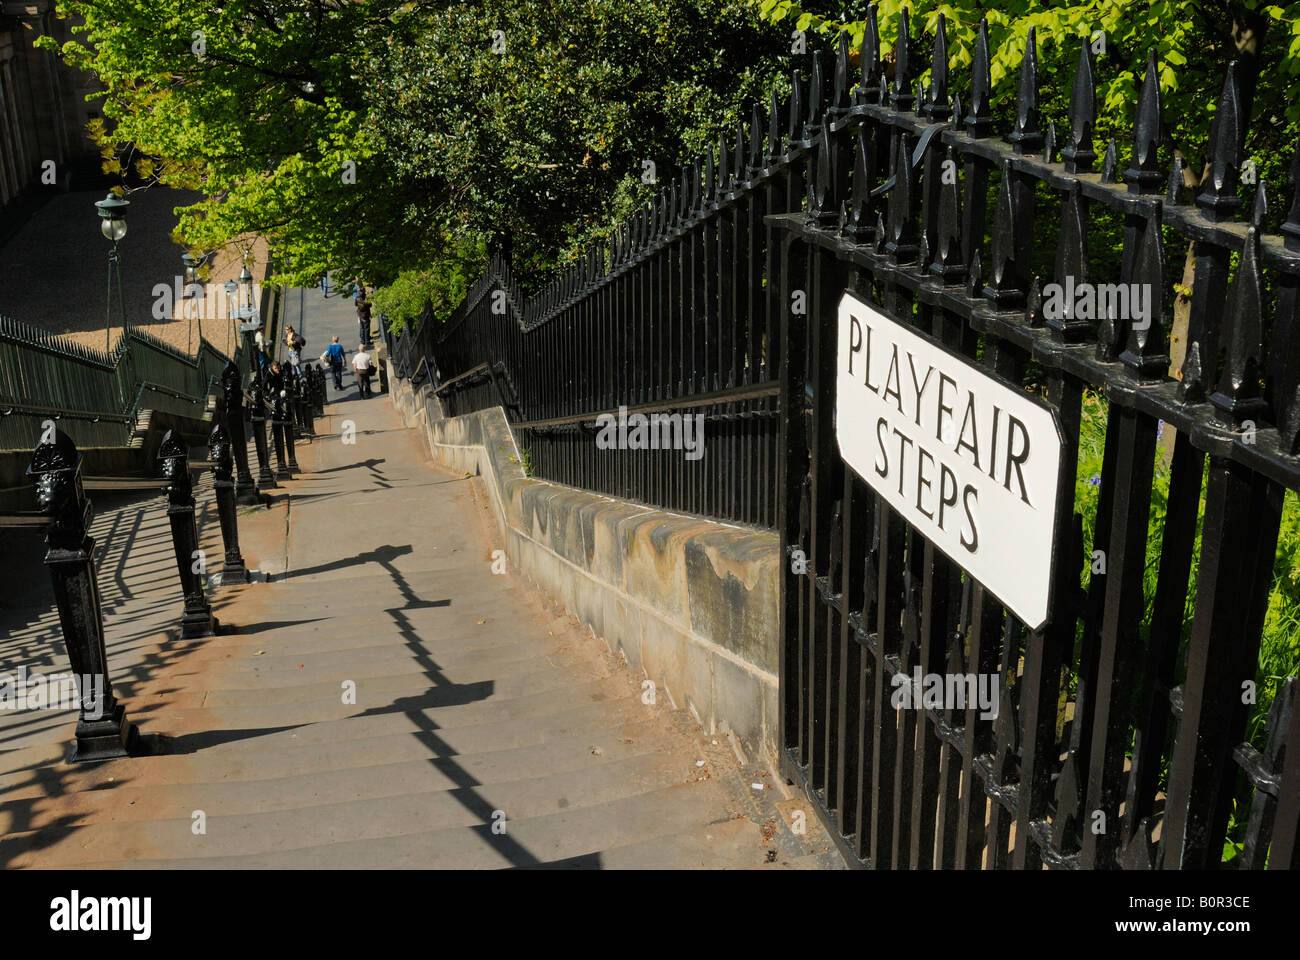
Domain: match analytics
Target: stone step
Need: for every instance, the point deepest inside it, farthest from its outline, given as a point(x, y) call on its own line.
point(575, 836)
point(489, 734)
point(481, 751)
point(443, 706)
point(289, 672)
point(398, 685)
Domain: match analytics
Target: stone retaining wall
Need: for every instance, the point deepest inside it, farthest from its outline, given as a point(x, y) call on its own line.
point(690, 602)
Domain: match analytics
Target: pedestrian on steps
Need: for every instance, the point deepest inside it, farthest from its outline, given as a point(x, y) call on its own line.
point(364, 370)
point(334, 357)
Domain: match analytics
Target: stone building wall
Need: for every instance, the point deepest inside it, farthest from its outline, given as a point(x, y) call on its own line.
point(43, 111)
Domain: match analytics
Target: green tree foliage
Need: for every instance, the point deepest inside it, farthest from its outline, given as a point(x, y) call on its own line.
point(1193, 42)
point(259, 105)
point(541, 118)
point(393, 140)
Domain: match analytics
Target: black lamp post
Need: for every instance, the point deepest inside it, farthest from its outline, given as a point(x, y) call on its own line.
point(112, 224)
point(191, 281)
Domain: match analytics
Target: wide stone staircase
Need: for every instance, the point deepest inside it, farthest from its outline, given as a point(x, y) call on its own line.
point(385, 700)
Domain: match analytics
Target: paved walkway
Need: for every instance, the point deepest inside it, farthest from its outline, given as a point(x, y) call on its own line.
point(487, 730)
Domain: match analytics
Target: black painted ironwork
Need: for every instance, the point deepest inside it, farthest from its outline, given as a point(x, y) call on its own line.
point(219, 455)
point(257, 418)
point(1119, 738)
point(103, 730)
point(197, 619)
point(233, 416)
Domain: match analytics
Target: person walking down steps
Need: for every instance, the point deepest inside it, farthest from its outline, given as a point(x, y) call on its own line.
point(333, 358)
point(364, 370)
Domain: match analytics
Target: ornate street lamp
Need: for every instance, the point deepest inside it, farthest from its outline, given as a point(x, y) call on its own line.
point(246, 292)
point(252, 323)
point(192, 281)
point(112, 211)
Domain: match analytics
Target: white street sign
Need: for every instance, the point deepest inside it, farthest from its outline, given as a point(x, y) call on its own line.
point(970, 462)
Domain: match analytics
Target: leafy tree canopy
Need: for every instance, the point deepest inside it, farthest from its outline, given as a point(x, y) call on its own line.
point(1193, 42)
point(386, 139)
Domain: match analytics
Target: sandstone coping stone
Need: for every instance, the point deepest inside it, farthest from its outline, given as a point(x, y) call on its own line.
point(690, 601)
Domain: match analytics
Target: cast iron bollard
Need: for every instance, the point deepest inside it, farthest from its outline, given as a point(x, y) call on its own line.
point(197, 620)
point(304, 385)
point(286, 414)
point(102, 728)
point(293, 401)
point(274, 386)
point(231, 388)
point(318, 394)
point(257, 419)
point(233, 571)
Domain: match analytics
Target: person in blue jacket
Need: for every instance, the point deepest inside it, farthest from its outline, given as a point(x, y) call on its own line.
point(335, 356)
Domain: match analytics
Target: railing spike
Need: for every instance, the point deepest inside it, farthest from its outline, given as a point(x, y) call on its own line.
point(979, 121)
point(738, 156)
point(709, 190)
point(1259, 209)
point(936, 102)
point(859, 197)
point(869, 83)
point(1174, 196)
point(1143, 353)
point(902, 98)
point(773, 130)
point(723, 173)
point(1108, 163)
point(1049, 143)
point(1078, 153)
point(947, 263)
point(1238, 398)
point(1218, 196)
point(840, 101)
point(1026, 135)
point(816, 81)
point(902, 245)
point(819, 182)
point(1006, 286)
point(955, 112)
point(794, 117)
point(1034, 302)
point(1291, 229)
point(974, 276)
point(755, 141)
point(1143, 173)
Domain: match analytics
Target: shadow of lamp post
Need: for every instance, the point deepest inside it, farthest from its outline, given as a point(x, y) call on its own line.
point(102, 728)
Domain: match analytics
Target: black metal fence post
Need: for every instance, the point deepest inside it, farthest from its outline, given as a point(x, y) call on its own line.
point(197, 619)
point(257, 418)
point(103, 730)
point(233, 409)
point(233, 570)
point(283, 425)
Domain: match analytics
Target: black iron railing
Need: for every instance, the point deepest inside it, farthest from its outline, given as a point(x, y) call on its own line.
point(1121, 736)
point(96, 397)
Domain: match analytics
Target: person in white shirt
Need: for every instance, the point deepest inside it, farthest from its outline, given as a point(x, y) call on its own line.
point(364, 371)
